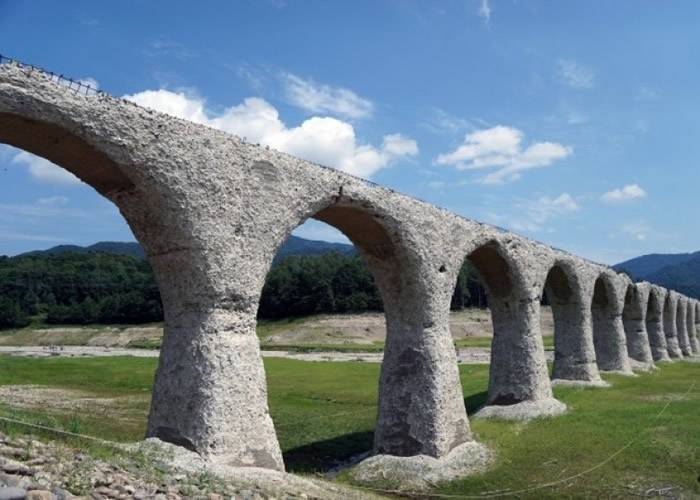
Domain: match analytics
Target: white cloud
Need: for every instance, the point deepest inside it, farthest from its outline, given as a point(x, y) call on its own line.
point(638, 230)
point(626, 193)
point(53, 201)
point(319, 98)
point(500, 148)
point(440, 121)
point(645, 93)
point(323, 140)
point(43, 170)
point(575, 74)
point(485, 10)
point(532, 216)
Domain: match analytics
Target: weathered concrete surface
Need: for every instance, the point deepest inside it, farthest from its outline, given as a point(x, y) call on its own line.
point(670, 328)
point(681, 320)
point(608, 331)
point(655, 323)
point(695, 328)
point(211, 211)
point(634, 322)
point(568, 288)
point(422, 472)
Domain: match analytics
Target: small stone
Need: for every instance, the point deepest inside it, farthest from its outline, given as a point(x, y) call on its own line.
point(12, 467)
point(40, 495)
point(10, 493)
point(140, 494)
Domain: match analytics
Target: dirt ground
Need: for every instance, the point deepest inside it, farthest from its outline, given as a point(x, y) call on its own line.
point(357, 329)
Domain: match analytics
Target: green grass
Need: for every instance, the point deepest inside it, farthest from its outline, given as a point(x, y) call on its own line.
point(326, 411)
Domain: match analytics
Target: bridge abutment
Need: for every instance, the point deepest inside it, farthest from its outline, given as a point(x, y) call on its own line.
point(655, 324)
point(634, 323)
point(608, 330)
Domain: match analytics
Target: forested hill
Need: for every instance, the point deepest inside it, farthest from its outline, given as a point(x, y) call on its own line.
point(679, 272)
point(293, 246)
point(65, 287)
point(646, 265)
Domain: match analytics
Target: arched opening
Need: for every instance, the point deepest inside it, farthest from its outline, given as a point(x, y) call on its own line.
point(409, 371)
point(683, 342)
point(634, 324)
point(654, 326)
point(63, 295)
point(670, 329)
point(574, 356)
point(518, 370)
point(608, 331)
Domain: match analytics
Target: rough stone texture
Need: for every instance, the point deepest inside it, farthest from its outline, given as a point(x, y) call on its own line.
point(211, 210)
point(681, 320)
point(570, 298)
point(693, 321)
point(670, 329)
point(655, 323)
point(422, 472)
point(634, 322)
point(608, 331)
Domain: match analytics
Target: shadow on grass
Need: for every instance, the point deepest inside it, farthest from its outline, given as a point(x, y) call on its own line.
point(475, 401)
point(322, 456)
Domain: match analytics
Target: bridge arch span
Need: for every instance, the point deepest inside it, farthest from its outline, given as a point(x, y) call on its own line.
point(574, 353)
point(608, 331)
point(655, 323)
point(634, 322)
point(519, 385)
point(670, 325)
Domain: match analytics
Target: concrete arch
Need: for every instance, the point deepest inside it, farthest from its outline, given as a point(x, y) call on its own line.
point(608, 331)
point(681, 321)
point(634, 322)
point(519, 385)
point(574, 353)
point(670, 328)
point(655, 323)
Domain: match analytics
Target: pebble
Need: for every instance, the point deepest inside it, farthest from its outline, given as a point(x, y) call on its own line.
point(40, 495)
point(10, 493)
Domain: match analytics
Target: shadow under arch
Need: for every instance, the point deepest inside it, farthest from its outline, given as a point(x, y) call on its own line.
point(65, 149)
point(608, 331)
point(518, 370)
point(655, 326)
point(574, 354)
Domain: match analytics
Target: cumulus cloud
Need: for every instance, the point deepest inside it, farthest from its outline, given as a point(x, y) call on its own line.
point(532, 215)
point(574, 74)
point(484, 11)
point(623, 194)
point(500, 148)
point(43, 170)
point(323, 140)
point(319, 98)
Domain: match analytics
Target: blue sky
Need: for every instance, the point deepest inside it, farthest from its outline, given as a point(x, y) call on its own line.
point(573, 123)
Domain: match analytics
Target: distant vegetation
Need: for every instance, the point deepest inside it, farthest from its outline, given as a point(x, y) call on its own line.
point(679, 272)
point(65, 287)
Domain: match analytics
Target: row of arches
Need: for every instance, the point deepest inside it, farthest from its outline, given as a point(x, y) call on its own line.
point(211, 211)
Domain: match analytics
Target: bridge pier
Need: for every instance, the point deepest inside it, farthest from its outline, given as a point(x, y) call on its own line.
point(608, 330)
point(693, 322)
point(634, 323)
point(574, 353)
point(681, 321)
point(655, 324)
point(670, 328)
point(519, 384)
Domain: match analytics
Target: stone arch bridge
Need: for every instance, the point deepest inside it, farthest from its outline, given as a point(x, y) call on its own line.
point(211, 211)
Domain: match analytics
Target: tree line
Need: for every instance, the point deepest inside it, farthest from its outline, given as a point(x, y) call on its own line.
point(79, 289)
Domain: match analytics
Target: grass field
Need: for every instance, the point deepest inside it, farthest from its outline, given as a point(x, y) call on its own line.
point(640, 436)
